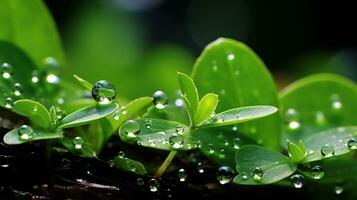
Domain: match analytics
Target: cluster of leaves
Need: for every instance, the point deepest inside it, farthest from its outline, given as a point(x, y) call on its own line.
point(247, 132)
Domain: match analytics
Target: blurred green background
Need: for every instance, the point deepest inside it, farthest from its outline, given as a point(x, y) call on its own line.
point(140, 44)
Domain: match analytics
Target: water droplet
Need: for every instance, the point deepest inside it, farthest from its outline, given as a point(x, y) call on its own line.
point(140, 181)
point(292, 119)
point(6, 70)
point(121, 154)
point(148, 125)
point(234, 128)
point(131, 128)
point(244, 176)
point(52, 78)
point(317, 172)
point(338, 190)
point(25, 132)
point(182, 175)
point(352, 143)
point(220, 119)
point(103, 92)
point(210, 148)
point(179, 102)
point(221, 154)
point(200, 168)
point(116, 116)
point(160, 99)
point(78, 142)
point(327, 150)
point(336, 102)
point(320, 118)
point(258, 173)
point(18, 89)
point(9, 102)
point(60, 101)
point(225, 174)
point(124, 111)
point(59, 113)
point(297, 180)
point(154, 185)
point(236, 143)
point(179, 129)
point(230, 56)
point(176, 141)
point(35, 77)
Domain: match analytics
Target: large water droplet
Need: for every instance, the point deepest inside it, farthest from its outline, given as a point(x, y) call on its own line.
point(182, 175)
point(317, 172)
point(338, 190)
point(25, 132)
point(154, 185)
point(78, 142)
point(258, 173)
point(297, 180)
point(103, 92)
point(225, 174)
point(131, 128)
point(352, 143)
point(160, 100)
point(292, 119)
point(327, 150)
point(9, 102)
point(176, 141)
point(6, 70)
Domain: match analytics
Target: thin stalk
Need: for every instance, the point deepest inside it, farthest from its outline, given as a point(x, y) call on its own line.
point(165, 164)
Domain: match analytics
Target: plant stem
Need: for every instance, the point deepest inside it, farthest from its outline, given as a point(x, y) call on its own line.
point(165, 164)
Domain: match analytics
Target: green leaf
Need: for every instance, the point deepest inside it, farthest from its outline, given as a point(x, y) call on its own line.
point(128, 164)
point(275, 166)
point(339, 170)
point(206, 107)
point(33, 110)
point(189, 93)
point(233, 71)
point(131, 110)
point(238, 115)
point(22, 69)
point(157, 134)
point(85, 151)
point(98, 134)
point(336, 137)
point(219, 145)
point(84, 83)
point(317, 103)
point(28, 25)
point(86, 115)
point(296, 153)
point(12, 137)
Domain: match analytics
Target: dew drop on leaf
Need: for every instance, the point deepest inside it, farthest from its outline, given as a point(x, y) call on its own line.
point(200, 168)
point(35, 77)
point(210, 148)
point(338, 190)
point(297, 180)
point(317, 172)
point(148, 125)
point(176, 141)
point(225, 174)
point(230, 56)
point(258, 173)
point(116, 116)
point(182, 175)
point(160, 99)
point(59, 113)
point(234, 128)
point(18, 89)
point(154, 185)
point(78, 142)
point(292, 119)
point(9, 102)
point(103, 92)
point(236, 143)
point(179, 103)
point(6, 70)
point(352, 143)
point(336, 102)
point(179, 129)
point(25, 132)
point(131, 128)
point(140, 181)
point(327, 150)
point(121, 154)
